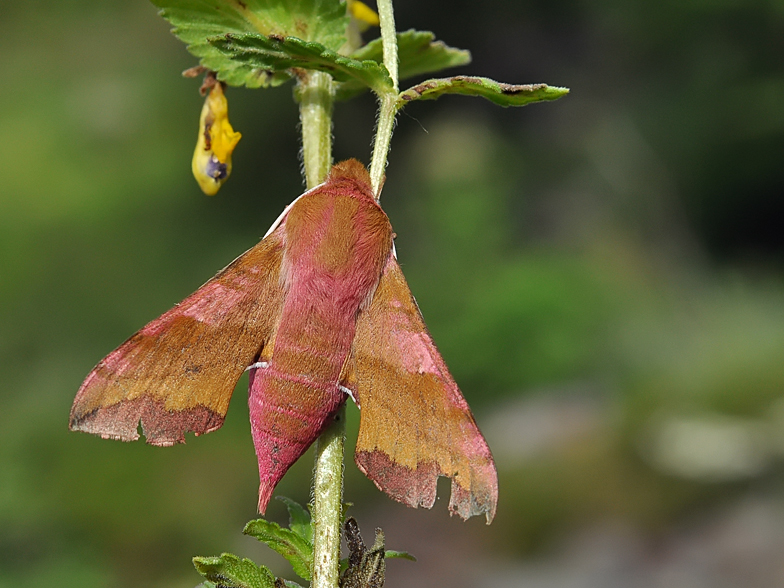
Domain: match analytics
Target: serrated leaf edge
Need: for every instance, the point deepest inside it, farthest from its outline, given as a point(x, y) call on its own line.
point(301, 566)
point(330, 60)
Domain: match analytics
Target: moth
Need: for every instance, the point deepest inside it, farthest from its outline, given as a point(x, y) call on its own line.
point(318, 311)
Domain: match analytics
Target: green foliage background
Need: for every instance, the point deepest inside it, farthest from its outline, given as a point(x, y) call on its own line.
point(622, 246)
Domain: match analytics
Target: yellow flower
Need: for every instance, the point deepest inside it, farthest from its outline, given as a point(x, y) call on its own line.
point(211, 163)
point(363, 14)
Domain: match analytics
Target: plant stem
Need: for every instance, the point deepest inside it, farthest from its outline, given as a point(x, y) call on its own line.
point(328, 503)
point(388, 100)
point(386, 17)
point(316, 94)
point(387, 110)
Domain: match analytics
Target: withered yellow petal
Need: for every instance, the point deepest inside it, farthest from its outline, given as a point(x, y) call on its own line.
point(211, 164)
point(363, 13)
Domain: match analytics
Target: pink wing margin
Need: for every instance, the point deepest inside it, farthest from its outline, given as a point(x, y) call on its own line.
point(177, 374)
point(415, 424)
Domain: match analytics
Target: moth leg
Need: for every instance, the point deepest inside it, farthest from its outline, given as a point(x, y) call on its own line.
point(348, 379)
point(257, 365)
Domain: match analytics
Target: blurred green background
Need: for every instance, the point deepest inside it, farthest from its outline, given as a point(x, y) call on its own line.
point(603, 275)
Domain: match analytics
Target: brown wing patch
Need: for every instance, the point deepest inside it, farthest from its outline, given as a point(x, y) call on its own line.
point(177, 374)
point(415, 424)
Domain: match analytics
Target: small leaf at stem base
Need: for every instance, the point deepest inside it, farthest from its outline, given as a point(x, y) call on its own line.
point(229, 571)
point(366, 567)
point(286, 542)
point(299, 519)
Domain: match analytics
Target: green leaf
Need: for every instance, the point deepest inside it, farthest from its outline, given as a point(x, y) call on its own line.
point(299, 519)
point(418, 53)
point(392, 554)
point(197, 21)
point(282, 53)
point(286, 542)
point(503, 94)
point(289, 583)
point(229, 571)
